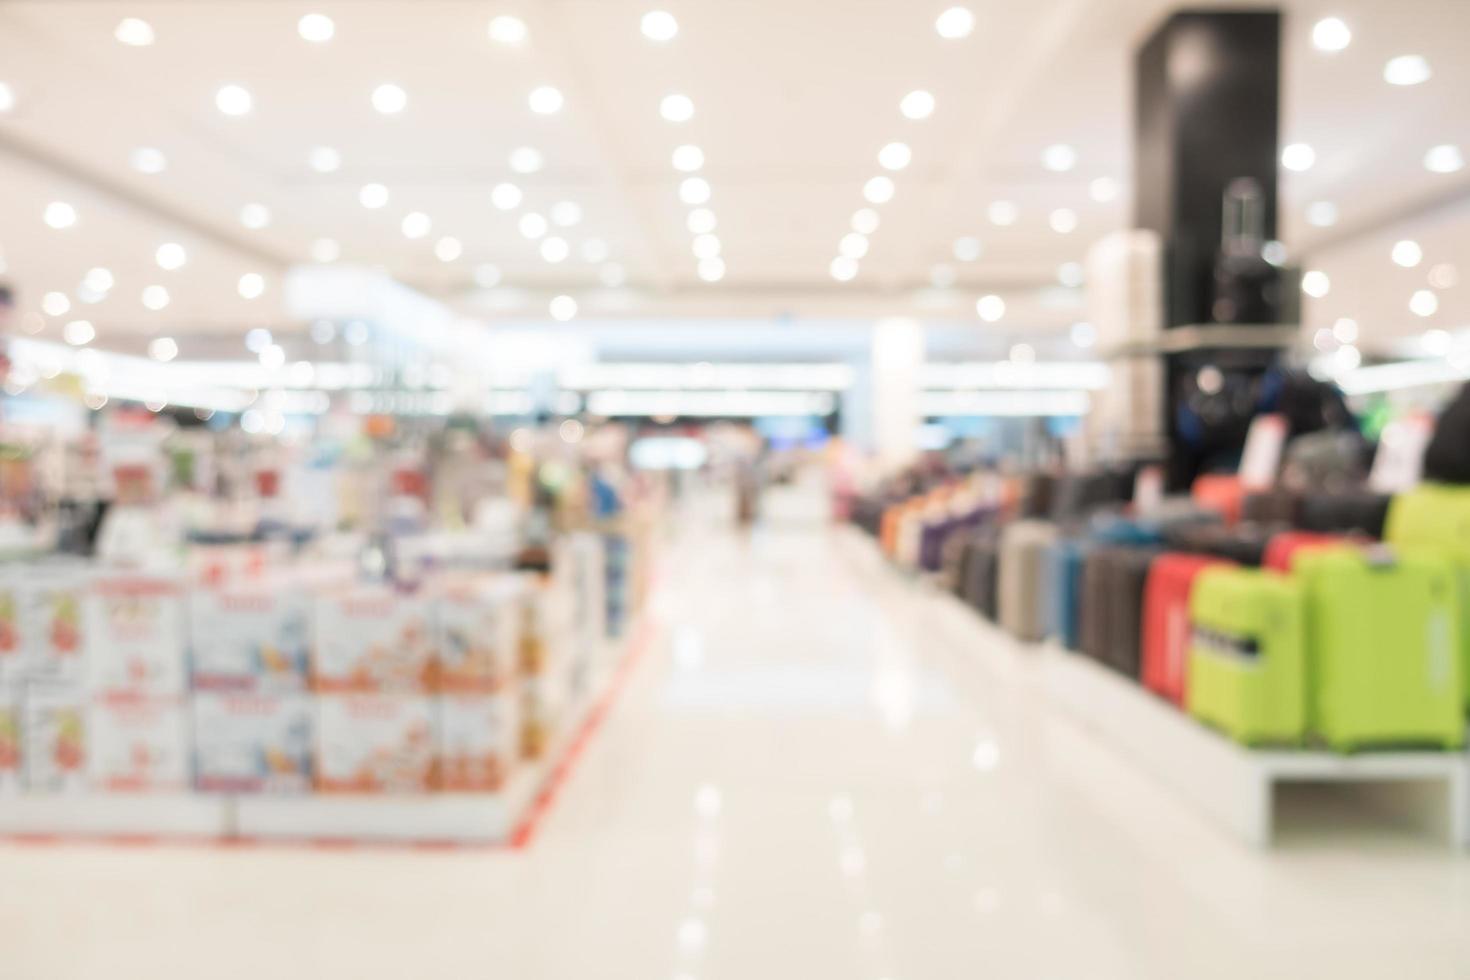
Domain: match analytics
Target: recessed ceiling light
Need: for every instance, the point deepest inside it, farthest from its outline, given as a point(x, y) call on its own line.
point(554, 249)
point(967, 248)
point(1316, 284)
point(487, 275)
point(155, 298)
point(506, 197)
point(373, 196)
point(687, 159)
point(566, 214)
point(448, 249)
point(660, 26)
point(390, 99)
point(55, 304)
point(594, 250)
point(854, 245)
point(707, 246)
point(78, 332)
point(865, 221)
point(1070, 274)
point(918, 104)
point(98, 281)
point(711, 270)
point(507, 30)
point(163, 348)
point(1083, 335)
point(701, 221)
point(1407, 253)
point(955, 23)
point(148, 160)
point(990, 308)
point(1322, 214)
point(526, 160)
point(563, 308)
point(942, 276)
point(1443, 276)
point(170, 256)
point(59, 215)
point(251, 285)
point(895, 156)
point(1444, 159)
point(1407, 69)
point(273, 357)
point(255, 216)
point(1022, 354)
point(258, 339)
point(1103, 190)
point(545, 100)
point(316, 28)
point(1330, 34)
point(1002, 213)
point(1298, 157)
point(1063, 221)
point(324, 160)
point(7, 98)
point(1345, 330)
point(694, 190)
point(1424, 303)
point(843, 268)
point(134, 32)
point(325, 250)
point(676, 108)
point(879, 190)
point(532, 225)
point(416, 224)
point(233, 100)
point(1059, 157)
point(612, 275)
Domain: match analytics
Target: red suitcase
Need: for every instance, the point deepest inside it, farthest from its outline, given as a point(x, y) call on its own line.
point(1222, 493)
point(1283, 547)
point(1166, 622)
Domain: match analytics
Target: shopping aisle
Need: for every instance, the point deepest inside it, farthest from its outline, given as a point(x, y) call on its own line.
point(818, 771)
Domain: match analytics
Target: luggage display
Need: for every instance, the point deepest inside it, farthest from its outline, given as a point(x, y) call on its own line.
point(1284, 547)
point(1447, 457)
point(1328, 461)
point(1024, 547)
point(981, 562)
point(1358, 512)
point(1113, 582)
point(1078, 495)
point(1383, 632)
point(1036, 496)
point(1225, 494)
point(1243, 545)
point(1247, 656)
point(1436, 517)
point(1064, 590)
point(1166, 632)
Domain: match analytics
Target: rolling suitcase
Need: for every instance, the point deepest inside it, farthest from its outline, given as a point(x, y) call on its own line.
point(980, 571)
point(1092, 612)
point(1080, 494)
point(1359, 512)
point(1447, 457)
point(1064, 591)
point(1271, 507)
point(1283, 549)
point(1166, 635)
point(1224, 494)
point(1024, 546)
point(1247, 655)
point(1383, 631)
point(1436, 517)
point(1126, 581)
point(1243, 545)
point(1036, 496)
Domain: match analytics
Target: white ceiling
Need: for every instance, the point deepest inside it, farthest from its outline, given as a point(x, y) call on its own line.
point(793, 101)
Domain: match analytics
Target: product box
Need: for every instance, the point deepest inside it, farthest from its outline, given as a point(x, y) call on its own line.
point(12, 648)
point(371, 639)
point(479, 740)
point(479, 620)
point(250, 637)
point(133, 628)
point(252, 743)
point(138, 743)
point(54, 738)
point(10, 744)
point(49, 602)
point(376, 743)
point(543, 707)
point(546, 625)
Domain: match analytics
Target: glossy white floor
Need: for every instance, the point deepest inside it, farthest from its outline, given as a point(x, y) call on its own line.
point(811, 776)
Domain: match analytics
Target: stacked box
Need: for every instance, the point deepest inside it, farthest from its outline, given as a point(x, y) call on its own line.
point(370, 639)
point(479, 741)
point(10, 743)
point(547, 634)
point(54, 740)
point(134, 634)
point(479, 624)
point(252, 743)
point(137, 743)
point(251, 637)
point(376, 743)
point(49, 603)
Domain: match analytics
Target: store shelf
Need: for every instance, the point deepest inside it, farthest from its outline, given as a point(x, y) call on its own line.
point(1178, 340)
point(174, 815)
point(1232, 785)
point(440, 818)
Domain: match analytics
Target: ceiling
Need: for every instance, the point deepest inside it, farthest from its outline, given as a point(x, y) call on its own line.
point(792, 103)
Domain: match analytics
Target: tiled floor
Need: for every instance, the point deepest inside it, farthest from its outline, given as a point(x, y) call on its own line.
point(811, 776)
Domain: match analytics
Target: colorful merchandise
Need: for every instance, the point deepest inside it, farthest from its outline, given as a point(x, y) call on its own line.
point(250, 637)
point(252, 743)
point(479, 741)
point(480, 620)
point(376, 744)
point(54, 717)
point(1166, 631)
point(138, 743)
point(370, 639)
point(10, 744)
point(134, 633)
point(1436, 517)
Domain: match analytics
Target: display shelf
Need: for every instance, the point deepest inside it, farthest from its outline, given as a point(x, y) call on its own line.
point(1230, 784)
point(103, 815)
point(1178, 340)
point(438, 818)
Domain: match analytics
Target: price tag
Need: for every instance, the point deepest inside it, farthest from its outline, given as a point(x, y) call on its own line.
point(1399, 462)
point(1261, 460)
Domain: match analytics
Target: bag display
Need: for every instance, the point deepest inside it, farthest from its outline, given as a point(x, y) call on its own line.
point(1166, 631)
point(1436, 518)
point(1357, 512)
point(1383, 633)
point(1024, 547)
point(1247, 655)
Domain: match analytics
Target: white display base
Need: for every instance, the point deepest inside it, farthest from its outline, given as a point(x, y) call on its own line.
point(440, 818)
point(115, 815)
point(1232, 785)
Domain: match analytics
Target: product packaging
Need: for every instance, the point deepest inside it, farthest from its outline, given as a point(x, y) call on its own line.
point(54, 738)
point(250, 637)
point(479, 619)
point(252, 743)
point(371, 639)
point(134, 634)
point(376, 743)
point(479, 740)
point(49, 602)
point(10, 744)
point(138, 743)
point(543, 709)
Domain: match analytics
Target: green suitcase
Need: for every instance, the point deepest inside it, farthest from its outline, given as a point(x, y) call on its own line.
point(1437, 517)
point(1247, 657)
point(1383, 635)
